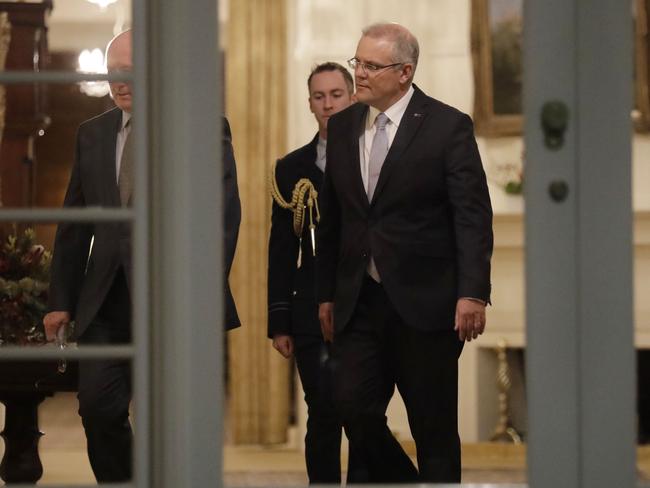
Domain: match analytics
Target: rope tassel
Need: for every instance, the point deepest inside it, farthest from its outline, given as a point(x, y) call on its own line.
point(304, 196)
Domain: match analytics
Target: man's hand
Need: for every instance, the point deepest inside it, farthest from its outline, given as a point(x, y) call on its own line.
point(470, 319)
point(326, 317)
point(283, 344)
point(53, 321)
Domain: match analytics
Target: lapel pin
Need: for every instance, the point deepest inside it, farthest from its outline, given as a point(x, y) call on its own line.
point(417, 115)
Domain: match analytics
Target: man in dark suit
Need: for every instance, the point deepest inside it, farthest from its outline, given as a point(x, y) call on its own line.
point(293, 311)
point(403, 267)
point(90, 284)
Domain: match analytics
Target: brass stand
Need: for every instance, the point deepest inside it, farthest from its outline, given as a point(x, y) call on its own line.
point(504, 431)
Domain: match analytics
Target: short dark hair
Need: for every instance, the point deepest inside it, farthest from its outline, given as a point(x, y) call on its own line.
point(332, 66)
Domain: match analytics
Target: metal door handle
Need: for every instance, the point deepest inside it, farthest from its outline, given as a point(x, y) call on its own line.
point(555, 120)
point(558, 190)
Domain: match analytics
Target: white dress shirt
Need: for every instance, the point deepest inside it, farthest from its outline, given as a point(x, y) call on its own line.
point(321, 149)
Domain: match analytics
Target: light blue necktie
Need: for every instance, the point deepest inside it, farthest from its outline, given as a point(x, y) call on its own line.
point(378, 152)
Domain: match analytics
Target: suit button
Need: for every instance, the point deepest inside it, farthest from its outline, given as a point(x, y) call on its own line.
point(364, 254)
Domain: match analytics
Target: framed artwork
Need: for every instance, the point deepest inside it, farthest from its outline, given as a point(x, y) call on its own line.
point(641, 113)
point(497, 28)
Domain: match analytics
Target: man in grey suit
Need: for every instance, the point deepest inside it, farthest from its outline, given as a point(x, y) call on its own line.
point(91, 284)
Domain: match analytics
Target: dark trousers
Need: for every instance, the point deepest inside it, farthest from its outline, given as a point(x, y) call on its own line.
point(643, 395)
point(324, 426)
point(377, 351)
point(105, 390)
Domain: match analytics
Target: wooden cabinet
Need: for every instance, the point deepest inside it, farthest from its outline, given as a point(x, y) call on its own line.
point(26, 104)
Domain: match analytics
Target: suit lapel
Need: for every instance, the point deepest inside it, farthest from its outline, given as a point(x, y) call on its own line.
point(357, 129)
point(106, 157)
point(415, 113)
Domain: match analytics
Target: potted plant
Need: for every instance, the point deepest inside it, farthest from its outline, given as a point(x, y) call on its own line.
point(24, 281)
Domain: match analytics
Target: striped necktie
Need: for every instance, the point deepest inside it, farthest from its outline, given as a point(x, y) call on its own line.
point(125, 178)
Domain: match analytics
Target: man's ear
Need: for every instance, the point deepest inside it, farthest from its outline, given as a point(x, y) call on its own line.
point(407, 73)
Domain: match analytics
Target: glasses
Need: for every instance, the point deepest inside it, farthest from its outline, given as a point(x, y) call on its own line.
point(369, 67)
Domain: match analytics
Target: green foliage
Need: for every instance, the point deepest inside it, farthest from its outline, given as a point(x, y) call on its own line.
point(24, 276)
point(514, 187)
point(507, 67)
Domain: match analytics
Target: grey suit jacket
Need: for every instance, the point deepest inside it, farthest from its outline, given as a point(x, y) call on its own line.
point(79, 283)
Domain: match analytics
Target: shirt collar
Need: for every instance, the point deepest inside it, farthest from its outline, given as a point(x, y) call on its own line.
point(394, 113)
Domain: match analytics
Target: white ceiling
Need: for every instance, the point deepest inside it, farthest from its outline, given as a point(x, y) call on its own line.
point(84, 11)
point(75, 25)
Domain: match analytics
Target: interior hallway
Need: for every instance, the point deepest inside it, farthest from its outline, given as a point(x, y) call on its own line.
point(64, 458)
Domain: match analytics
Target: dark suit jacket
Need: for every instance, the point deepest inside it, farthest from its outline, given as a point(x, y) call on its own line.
point(293, 308)
point(79, 283)
point(429, 226)
point(232, 219)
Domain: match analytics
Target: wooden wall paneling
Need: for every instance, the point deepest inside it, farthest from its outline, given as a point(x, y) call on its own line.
point(25, 112)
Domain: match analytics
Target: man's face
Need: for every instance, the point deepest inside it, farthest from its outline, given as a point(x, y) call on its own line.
point(380, 88)
point(328, 94)
point(118, 59)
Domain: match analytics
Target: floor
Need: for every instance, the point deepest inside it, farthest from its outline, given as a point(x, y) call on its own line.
point(256, 466)
point(64, 458)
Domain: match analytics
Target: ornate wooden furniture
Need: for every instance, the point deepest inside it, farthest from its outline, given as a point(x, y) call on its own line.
point(25, 111)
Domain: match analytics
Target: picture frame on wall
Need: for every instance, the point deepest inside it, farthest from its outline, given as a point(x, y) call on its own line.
point(641, 112)
point(497, 43)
